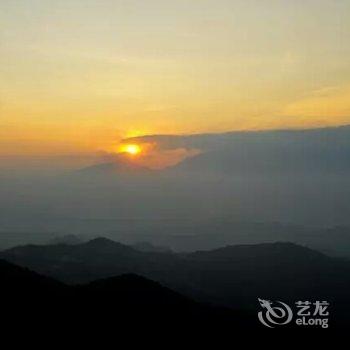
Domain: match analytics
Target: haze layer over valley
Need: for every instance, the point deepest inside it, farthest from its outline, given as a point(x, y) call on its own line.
point(293, 182)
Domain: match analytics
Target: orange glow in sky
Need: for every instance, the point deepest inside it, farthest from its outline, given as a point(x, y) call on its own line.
point(78, 78)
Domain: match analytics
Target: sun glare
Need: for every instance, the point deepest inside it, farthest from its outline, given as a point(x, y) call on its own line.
point(131, 149)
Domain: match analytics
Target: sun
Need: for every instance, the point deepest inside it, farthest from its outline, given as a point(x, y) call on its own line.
point(131, 149)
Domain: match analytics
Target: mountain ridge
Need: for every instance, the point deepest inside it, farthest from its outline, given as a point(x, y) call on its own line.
point(233, 276)
point(33, 299)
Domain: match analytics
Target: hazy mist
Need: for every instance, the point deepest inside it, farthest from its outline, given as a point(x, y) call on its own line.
point(292, 177)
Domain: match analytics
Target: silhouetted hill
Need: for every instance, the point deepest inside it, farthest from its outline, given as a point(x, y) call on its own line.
point(280, 270)
point(16, 281)
point(28, 298)
point(142, 299)
point(234, 276)
point(127, 300)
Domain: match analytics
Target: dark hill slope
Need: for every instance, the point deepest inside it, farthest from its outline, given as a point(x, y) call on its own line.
point(234, 276)
point(127, 300)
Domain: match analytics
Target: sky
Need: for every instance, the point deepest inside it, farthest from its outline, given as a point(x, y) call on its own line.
point(76, 76)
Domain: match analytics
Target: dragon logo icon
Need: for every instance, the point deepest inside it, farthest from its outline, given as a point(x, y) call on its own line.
point(274, 313)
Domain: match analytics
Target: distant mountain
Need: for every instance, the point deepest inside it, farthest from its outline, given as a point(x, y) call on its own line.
point(322, 151)
point(114, 167)
point(120, 164)
point(150, 248)
point(66, 239)
point(123, 301)
point(216, 233)
point(187, 235)
point(317, 152)
point(233, 276)
point(98, 258)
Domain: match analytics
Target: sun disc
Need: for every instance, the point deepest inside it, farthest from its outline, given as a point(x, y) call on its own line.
point(131, 149)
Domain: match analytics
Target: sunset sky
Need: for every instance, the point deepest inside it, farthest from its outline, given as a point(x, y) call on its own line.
point(78, 75)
